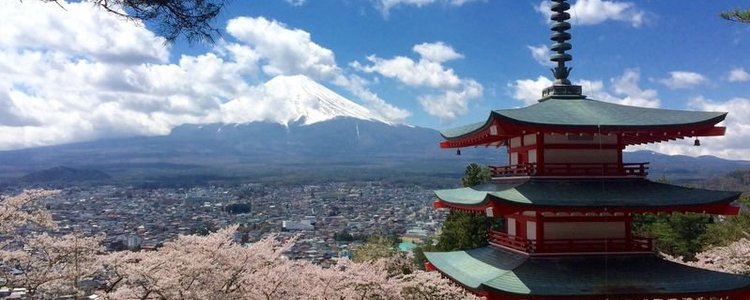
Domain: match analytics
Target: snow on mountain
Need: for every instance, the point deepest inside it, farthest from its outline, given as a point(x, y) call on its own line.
point(312, 102)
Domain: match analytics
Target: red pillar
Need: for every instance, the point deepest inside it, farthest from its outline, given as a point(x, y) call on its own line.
point(540, 154)
point(429, 267)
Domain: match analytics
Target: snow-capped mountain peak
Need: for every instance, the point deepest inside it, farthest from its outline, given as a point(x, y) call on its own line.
point(313, 102)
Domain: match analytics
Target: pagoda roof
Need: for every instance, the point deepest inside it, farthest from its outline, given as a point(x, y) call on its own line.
point(578, 115)
point(490, 269)
point(576, 194)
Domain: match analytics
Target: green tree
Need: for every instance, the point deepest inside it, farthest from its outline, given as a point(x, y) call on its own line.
point(419, 257)
point(677, 234)
point(475, 174)
point(463, 230)
point(727, 229)
point(737, 15)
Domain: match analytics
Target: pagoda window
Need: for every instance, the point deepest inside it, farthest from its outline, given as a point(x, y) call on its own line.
point(515, 142)
point(529, 139)
point(511, 226)
point(531, 230)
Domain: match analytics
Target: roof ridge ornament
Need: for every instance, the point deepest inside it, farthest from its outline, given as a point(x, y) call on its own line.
point(562, 85)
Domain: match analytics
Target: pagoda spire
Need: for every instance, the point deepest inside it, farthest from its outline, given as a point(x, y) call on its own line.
point(560, 37)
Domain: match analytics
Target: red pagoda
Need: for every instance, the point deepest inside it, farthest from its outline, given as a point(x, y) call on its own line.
point(567, 199)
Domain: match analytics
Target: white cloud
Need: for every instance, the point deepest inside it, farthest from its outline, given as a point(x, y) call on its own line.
point(624, 90)
point(427, 71)
point(529, 90)
point(451, 103)
point(453, 92)
point(541, 55)
point(591, 12)
point(683, 80)
point(37, 25)
point(296, 2)
point(358, 86)
point(627, 86)
point(437, 52)
point(80, 74)
point(738, 75)
point(386, 5)
point(286, 51)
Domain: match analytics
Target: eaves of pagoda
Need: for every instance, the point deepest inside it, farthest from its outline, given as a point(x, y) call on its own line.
point(585, 196)
point(635, 125)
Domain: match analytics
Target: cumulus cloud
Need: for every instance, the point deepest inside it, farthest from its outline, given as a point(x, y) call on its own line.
point(37, 25)
point(386, 5)
point(529, 91)
point(452, 103)
point(296, 2)
point(81, 73)
point(541, 55)
point(450, 93)
point(738, 75)
point(627, 87)
point(624, 90)
point(437, 52)
point(592, 12)
point(423, 72)
point(683, 80)
point(287, 51)
point(358, 86)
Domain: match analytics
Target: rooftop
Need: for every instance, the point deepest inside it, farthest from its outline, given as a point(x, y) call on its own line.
point(494, 269)
point(576, 194)
point(565, 115)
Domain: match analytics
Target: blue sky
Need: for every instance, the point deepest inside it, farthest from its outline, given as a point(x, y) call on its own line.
point(80, 74)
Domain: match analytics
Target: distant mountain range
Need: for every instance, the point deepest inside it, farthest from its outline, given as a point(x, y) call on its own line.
point(326, 137)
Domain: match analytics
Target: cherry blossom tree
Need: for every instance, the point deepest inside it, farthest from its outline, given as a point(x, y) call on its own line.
point(23, 209)
point(214, 267)
point(733, 258)
point(47, 266)
point(198, 267)
point(53, 266)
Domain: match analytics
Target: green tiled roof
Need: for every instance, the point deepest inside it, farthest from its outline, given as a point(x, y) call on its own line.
point(591, 113)
point(471, 268)
point(459, 131)
point(585, 193)
point(494, 269)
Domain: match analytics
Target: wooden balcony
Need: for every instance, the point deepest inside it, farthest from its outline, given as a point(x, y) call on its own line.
point(572, 169)
point(563, 246)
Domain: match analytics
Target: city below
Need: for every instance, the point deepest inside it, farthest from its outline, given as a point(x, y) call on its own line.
point(328, 219)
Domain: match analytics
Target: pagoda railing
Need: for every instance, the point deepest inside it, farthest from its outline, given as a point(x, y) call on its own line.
point(511, 241)
point(571, 169)
point(559, 246)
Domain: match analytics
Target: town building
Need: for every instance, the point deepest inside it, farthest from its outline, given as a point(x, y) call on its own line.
point(566, 199)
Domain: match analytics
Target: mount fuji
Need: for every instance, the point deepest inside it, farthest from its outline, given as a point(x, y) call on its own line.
point(309, 102)
point(313, 130)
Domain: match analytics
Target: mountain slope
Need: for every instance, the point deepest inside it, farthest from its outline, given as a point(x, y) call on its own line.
point(257, 148)
point(64, 174)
